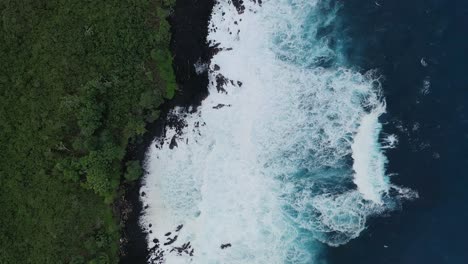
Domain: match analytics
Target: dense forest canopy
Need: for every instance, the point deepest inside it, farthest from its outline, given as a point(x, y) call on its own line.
point(78, 81)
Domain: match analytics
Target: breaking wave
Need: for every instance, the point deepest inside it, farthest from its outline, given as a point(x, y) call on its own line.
point(283, 157)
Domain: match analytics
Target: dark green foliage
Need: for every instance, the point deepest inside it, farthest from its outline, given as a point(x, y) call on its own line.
point(134, 170)
point(164, 59)
point(79, 79)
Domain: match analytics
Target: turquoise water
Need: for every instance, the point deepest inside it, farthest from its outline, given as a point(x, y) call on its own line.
point(287, 159)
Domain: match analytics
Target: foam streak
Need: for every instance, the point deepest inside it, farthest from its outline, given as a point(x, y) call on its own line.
point(262, 173)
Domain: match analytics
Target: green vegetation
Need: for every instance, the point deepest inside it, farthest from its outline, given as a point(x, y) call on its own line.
point(78, 81)
point(134, 170)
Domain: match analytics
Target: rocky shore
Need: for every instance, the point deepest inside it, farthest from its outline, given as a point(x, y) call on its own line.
point(189, 27)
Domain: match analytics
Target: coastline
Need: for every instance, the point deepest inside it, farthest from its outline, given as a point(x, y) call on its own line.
point(189, 29)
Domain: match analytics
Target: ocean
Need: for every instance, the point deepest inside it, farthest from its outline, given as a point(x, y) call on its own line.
point(421, 49)
point(333, 132)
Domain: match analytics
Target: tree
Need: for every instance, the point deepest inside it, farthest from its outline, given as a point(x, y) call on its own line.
point(134, 171)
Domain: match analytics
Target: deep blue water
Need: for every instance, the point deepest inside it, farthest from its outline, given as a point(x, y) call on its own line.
point(420, 49)
point(432, 126)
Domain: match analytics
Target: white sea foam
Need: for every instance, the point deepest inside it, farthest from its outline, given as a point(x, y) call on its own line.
point(269, 172)
point(369, 161)
point(200, 67)
point(426, 87)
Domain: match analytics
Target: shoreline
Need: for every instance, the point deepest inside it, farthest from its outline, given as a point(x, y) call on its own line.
point(189, 29)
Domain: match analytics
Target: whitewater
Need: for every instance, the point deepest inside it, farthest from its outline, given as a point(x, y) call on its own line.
point(285, 156)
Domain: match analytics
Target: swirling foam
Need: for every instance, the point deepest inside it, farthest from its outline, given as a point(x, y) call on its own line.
point(287, 157)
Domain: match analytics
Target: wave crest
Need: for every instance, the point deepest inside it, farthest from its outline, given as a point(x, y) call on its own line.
point(284, 152)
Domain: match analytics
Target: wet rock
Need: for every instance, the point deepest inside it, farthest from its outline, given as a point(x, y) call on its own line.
point(220, 82)
point(214, 49)
point(170, 241)
point(220, 106)
point(173, 142)
point(239, 4)
point(223, 246)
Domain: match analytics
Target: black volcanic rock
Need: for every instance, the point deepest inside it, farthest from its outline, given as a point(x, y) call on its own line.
point(189, 28)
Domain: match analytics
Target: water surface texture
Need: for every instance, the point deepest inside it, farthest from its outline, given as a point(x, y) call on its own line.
point(420, 47)
point(286, 157)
